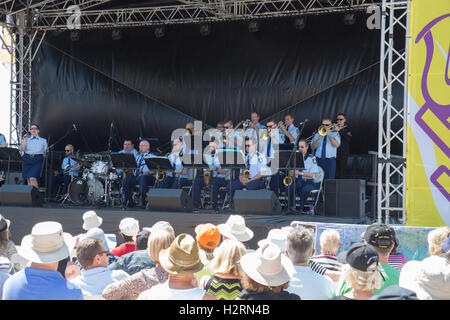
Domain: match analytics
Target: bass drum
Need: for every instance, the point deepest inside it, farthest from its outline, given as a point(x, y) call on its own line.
point(82, 191)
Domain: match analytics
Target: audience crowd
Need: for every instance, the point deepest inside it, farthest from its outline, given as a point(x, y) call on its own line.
point(214, 263)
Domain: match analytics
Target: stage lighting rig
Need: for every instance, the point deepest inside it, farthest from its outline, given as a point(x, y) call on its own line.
point(159, 32)
point(300, 23)
point(349, 18)
point(205, 29)
point(253, 26)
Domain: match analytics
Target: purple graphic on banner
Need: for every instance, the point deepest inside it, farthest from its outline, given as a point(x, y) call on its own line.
point(442, 112)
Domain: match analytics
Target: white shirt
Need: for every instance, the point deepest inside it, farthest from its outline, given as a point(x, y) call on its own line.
point(93, 281)
point(163, 292)
point(310, 285)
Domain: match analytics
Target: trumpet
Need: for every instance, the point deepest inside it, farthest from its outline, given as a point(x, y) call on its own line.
point(323, 130)
point(207, 178)
point(289, 179)
point(246, 123)
point(160, 176)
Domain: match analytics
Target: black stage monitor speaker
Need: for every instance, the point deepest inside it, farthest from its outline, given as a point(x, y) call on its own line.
point(20, 195)
point(345, 198)
point(169, 200)
point(256, 202)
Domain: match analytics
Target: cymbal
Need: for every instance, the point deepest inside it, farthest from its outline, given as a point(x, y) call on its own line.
point(82, 162)
point(105, 153)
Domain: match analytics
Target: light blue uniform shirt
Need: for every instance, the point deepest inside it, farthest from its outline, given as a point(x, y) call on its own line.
point(330, 150)
point(2, 139)
point(36, 145)
point(213, 161)
point(256, 162)
point(251, 133)
point(93, 281)
point(67, 161)
point(177, 164)
point(293, 131)
point(310, 167)
point(140, 160)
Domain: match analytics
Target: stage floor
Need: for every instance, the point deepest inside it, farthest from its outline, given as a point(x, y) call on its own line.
point(23, 219)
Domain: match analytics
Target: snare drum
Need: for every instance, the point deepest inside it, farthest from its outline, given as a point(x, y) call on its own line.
point(100, 168)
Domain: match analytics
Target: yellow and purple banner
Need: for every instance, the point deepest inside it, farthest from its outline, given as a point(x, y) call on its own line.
point(428, 127)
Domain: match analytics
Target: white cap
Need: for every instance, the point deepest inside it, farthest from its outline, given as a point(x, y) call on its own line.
point(129, 226)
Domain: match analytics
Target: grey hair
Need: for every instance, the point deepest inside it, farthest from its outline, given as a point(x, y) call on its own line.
point(299, 245)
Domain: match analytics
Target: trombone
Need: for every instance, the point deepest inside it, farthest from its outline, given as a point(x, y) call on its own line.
point(323, 129)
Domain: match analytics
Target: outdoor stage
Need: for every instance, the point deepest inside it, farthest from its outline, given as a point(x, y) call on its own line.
point(23, 219)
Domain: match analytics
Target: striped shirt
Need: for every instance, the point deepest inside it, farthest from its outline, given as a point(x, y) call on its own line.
point(223, 289)
point(327, 261)
point(397, 261)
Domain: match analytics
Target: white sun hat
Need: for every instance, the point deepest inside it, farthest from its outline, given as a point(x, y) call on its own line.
point(47, 243)
point(91, 220)
point(129, 226)
point(235, 228)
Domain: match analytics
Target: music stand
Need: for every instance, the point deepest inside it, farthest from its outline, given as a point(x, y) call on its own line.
point(123, 161)
point(10, 155)
point(158, 163)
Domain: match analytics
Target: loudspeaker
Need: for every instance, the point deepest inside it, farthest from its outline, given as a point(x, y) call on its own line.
point(14, 177)
point(20, 195)
point(345, 198)
point(256, 202)
point(169, 200)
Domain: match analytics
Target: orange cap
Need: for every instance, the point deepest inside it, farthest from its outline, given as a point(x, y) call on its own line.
point(208, 235)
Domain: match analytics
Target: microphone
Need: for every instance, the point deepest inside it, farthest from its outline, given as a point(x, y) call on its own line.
point(303, 122)
point(74, 127)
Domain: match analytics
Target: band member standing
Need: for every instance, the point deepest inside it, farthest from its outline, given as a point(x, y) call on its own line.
point(70, 168)
point(304, 182)
point(325, 149)
point(34, 148)
point(220, 126)
point(288, 133)
point(256, 163)
point(344, 149)
point(234, 139)
point(218, 177)
point(142, 176)
point(267, 148)
point(255, 127)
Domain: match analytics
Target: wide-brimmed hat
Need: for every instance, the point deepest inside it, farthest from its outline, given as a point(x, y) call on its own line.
point(208, 235)
point(4, 223)
point(129, 226)
point(91, 220)
point(277, 237)
point(429, 278)
point(160, 225)
point(235, 228)
point(267, 265)
point(182, 257)
point(47, 243)
point(98, 233)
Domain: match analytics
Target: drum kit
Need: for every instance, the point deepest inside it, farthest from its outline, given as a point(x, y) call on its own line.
point(97, 184)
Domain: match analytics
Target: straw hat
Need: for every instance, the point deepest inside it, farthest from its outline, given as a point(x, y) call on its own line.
point(235, 228)
point(91, 220)
point(98, 233)
point(182, 257)
point(277, 237)
point(160, 225)
point(267, 265)
point(4, 223)
point(129, 226)
point(47, 243)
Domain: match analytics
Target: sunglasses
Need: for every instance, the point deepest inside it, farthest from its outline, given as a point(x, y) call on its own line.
point(102, 252)
point(247, 146)
point(34, 128)
point(227, 127)
point(339, 119)
point(326, 124)
point(302, 147)
point(67, 150)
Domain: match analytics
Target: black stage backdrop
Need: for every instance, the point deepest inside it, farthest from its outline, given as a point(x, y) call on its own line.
point(149, 86)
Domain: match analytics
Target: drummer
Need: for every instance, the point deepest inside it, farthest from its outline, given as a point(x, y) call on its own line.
point(70, 169)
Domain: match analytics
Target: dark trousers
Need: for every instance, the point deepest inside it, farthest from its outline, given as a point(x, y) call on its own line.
point(143, 181)
point(237, 185)
point(341, 166)
point(56, 181)
point(182, 182)
point(302, 187)
point(329, 167)
point(167, 183)
point(216, 184)
point(274, 183)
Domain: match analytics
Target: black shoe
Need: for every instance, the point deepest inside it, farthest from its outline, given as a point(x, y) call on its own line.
point(197, 205)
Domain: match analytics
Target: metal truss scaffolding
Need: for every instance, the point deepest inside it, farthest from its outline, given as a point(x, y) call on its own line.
point(392, 110)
